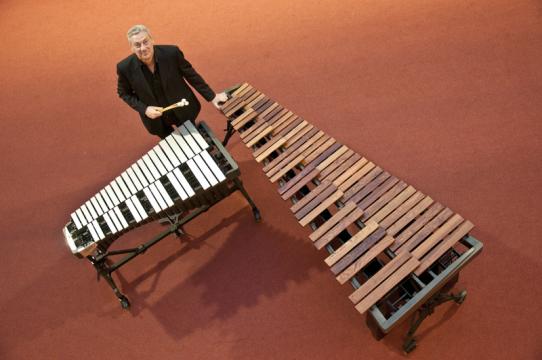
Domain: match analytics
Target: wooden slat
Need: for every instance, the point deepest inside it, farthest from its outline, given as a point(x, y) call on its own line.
point(318, 151)
point(335, 230)
point(293, 150)
point(361, 183)
point(234, 101)
point(381, 195)
point(279, 135)
point(244, 118)
point(251, 101)
point(332, 221)
point(301, 212)
point(409, 216)
point(392, 205)
point(444, 246)
point(380, 276)
point(296, 126)
point(253, 129)
point(358, 174)
point(371, 206)
point(365, 259)
point(361, 235)
point(345, 169)
point(425, 230)
point(311, 196)
point(370, 187)
point(261, 135)
point(240, 89)
point(337, 162)
point(268, 152)
point(307, 174)
point(285, 122)
point(420, 222)
point(437, 235)
point(295, 146)
point(387, 285)
point(324, 205)
point(357, 251)
point(287, 167)
point(402, 209)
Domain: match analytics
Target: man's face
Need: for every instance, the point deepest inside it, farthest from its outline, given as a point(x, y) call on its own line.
point(142, 46)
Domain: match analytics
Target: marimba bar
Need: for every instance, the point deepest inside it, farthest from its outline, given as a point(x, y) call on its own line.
point(398, 247)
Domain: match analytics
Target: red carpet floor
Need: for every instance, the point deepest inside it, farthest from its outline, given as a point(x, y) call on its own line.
point(446, 95)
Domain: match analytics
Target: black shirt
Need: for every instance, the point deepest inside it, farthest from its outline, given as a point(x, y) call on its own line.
point(155, 82)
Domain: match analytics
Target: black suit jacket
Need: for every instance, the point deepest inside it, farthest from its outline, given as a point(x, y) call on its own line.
point(175, 72)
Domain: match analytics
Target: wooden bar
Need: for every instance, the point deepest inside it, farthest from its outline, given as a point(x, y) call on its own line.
point(387, 285)
point(335, 230)
point(392, 205)
point(361, 183)
point(326, 226)
point(319, 155)
point(417, 225)
point(314, 202)
point(311, 196)
point(342, 164)
point(370, 187)
point(437, 236)
point(277, 136)
point(294, 145)
point(409, 216)
point(357, 251)
point(379, 277)
point(426, 230)
point(381, 196)
point(304, 149)
point(356, 176)
point(361, 235)
point(402, 209)
point(372, 206)
point(365, 259)
point(324, 205)
point(444, 246)
point(243, 119)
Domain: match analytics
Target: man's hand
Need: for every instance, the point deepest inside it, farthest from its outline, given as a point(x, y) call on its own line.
point(219, 99)
point(153, 112)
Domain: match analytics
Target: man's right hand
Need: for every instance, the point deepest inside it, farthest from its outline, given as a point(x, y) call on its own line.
point(153, 112)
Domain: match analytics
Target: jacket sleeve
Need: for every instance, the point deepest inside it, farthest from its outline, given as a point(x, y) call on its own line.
point(193, 78)
point(126, 93)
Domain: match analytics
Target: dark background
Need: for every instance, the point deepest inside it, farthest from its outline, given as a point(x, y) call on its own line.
point(443, 94)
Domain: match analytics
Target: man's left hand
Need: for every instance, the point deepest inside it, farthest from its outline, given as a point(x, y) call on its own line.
point(219, 100)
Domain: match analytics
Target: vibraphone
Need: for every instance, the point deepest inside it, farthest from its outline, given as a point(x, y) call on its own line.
point(399, 249)
point(186, 173)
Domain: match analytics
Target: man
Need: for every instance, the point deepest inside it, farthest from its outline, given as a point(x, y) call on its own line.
point(156, 76)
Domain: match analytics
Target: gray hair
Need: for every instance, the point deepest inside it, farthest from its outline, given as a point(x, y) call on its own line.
point(136, 29)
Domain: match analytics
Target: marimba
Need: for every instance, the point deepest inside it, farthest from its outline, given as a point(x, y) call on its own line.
point(400, 249)
point(186, 173)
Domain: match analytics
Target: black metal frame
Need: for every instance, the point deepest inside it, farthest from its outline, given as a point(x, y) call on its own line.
point(101, 259)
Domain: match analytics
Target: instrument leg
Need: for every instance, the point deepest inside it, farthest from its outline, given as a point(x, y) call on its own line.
point(241, 188)
point(229, 132)
point(427, 309)
point(105, 272)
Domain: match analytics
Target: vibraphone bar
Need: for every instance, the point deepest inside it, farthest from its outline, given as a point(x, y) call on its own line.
point(180, 178)
point(400, 249)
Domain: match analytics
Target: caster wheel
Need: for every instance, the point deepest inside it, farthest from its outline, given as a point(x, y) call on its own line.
point(461, 297)
point(124, 303)
point(409, 346)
